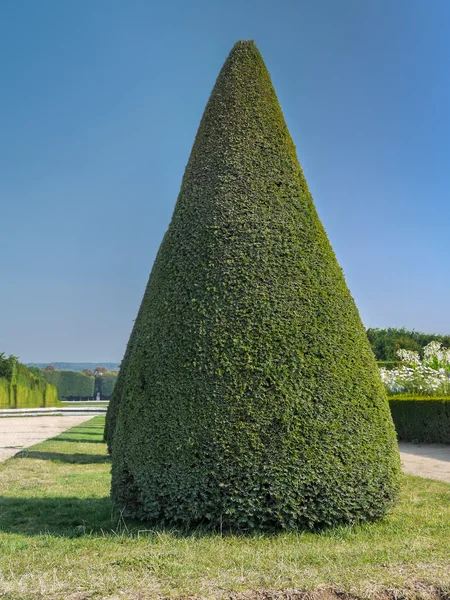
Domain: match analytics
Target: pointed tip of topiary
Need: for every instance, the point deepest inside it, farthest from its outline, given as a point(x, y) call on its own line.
point(243, 45)
point(243, 48)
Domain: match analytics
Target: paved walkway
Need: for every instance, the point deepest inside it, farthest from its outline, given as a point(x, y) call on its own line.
point(17, 433)
point(426, 460)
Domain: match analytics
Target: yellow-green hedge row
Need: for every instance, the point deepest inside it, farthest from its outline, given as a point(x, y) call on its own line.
point(37, 394)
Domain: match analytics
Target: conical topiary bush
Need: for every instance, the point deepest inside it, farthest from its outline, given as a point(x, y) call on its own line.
point(251, 397)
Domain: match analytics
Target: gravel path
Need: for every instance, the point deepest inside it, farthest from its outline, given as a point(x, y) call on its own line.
point(17, 433)
point(426, 460)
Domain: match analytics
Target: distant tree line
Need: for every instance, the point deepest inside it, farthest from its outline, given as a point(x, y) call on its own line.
point(74, 366)
point(386, 342)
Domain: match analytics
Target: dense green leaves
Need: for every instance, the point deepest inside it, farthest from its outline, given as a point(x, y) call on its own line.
point(249, 395)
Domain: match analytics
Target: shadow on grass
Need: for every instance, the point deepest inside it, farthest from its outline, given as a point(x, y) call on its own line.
point(96, 436)
point(74, 433)
point(76, 440)
point(73, 517)
point(81, 459)
point(62, 517)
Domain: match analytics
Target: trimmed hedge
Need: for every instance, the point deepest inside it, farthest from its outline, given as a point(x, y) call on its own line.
point(24, 389)
point(71, 384)
point(4, 393)
point(251, 397)
point(104, 385)
point(421, 419)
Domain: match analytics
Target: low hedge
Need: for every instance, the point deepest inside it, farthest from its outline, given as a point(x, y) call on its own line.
point(422, 419)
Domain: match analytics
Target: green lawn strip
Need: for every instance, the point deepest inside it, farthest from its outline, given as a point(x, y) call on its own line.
point(83, 404)
point(61, 538)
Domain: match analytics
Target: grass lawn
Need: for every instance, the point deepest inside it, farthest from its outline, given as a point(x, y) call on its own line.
point(61, 539)
point(90, 403)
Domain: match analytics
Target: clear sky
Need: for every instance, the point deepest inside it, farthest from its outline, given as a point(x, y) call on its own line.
point(99, 105)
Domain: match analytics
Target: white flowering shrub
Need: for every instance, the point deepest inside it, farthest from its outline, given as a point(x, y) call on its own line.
point(409, 357)
point(436, 357)
point(427, 377)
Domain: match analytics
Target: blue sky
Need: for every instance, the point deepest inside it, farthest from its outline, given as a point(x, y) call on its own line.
point(99, 105)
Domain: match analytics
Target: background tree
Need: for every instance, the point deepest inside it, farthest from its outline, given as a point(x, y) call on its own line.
point(100, 370)
point(386, 342)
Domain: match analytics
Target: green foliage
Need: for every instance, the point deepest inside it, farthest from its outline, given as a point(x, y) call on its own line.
point(387, 364)
point(4, 392)
point(425, 420)
point(386, 342)
point(21, 387)
point(104, 385)
point(100, 370)
point(71, 384)
point(35, 370)
point(7, 365)
point(250, 396)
